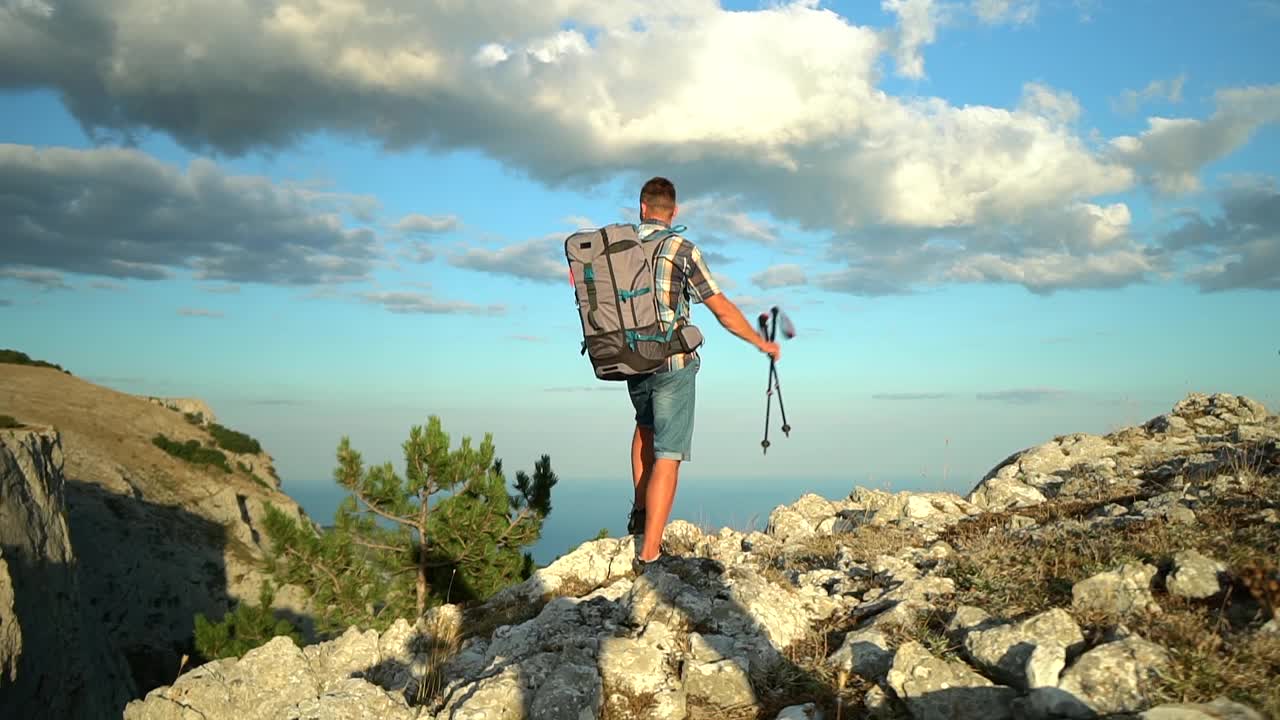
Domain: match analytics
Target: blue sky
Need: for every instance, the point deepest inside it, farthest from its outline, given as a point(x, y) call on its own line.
point(992, 222)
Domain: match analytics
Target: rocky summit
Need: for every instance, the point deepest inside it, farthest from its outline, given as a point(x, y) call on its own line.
point(1121, 576)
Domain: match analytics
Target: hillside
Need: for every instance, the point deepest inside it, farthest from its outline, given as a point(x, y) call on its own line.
point(155, 538)
point(1129, 575)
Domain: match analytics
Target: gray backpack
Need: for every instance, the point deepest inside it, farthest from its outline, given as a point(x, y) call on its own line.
point(613, 278)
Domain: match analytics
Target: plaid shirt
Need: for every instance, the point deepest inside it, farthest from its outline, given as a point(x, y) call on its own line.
point(681, 277)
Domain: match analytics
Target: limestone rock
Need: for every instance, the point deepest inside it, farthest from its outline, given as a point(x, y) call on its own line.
point(1195, 575)
point(1117, 592)
point(1220, 709)
point(1005, 651)
point(722, 684)
point(808, 711)
point(934, 689)
point(788, 525)
point(55, 658)
point(865, 653)
point(1111, 678)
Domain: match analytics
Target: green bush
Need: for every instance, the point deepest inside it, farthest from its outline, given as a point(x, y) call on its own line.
point(8, 421)
point(240, 631)
point(195, 418)
point(13, 357)
point(234, 441)
point(192, 452)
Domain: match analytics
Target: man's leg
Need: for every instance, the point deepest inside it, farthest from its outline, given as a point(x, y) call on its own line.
point(641, 463)
point(661, 495)
point(673, 404)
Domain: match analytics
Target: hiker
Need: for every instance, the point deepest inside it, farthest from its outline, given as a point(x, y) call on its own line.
point(664, 400)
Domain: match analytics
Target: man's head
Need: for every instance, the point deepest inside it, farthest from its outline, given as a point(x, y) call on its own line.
point(658, 200)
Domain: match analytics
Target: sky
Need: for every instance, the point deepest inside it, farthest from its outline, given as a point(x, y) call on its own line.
point(991, 222)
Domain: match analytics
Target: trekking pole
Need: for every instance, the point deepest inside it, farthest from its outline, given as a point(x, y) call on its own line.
point(763, 321)
point(773, 371)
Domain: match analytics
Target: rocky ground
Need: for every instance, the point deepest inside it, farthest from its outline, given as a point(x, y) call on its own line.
point(1126, 575)
point(1129, 575)
point(109, 546)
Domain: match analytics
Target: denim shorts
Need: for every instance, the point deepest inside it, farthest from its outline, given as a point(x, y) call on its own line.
point(664, 403)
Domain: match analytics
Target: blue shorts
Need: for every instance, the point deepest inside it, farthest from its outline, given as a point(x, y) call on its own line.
point(664, 403)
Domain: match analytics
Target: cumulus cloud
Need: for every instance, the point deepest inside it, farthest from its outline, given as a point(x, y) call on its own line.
point(408, 303)
point(779, 276)
point(199, 312)
point(43, 279)
point(1238, 249)
point(823, 147)
point(540, 260)
point(719, 221)
point(1079, 246)
point(122, 214)
point(917, 27)
point(1171, 152)
point(417, 224)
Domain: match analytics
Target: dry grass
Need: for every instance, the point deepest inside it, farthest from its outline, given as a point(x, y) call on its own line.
point(442, 640)
point(1216, 649)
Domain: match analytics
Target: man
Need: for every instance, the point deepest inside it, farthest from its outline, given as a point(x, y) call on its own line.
point(664, 400)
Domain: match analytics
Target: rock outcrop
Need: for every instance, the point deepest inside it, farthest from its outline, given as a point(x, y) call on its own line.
point(860, 595)
point(55, 661)
point(150, 539)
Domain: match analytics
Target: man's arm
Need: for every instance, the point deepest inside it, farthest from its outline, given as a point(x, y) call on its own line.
point(733, 320)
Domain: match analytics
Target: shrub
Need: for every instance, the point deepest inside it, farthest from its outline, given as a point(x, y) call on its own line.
point(234, 441)
point(8, 421)
point(192, 452)
point(13, 357)
point(240, 631)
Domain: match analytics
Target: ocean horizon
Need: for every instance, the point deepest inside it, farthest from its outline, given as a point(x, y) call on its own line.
point(580, 509)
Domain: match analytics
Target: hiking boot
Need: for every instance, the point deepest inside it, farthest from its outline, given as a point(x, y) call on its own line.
point(635, 523)
point(663, 561)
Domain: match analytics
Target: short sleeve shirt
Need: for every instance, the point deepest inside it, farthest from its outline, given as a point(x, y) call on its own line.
point(681, 278)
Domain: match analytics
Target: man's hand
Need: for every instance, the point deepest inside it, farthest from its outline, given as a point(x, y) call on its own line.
point(772, 349)
point(731, 318)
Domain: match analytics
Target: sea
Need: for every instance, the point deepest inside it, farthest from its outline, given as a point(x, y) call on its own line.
point(581, 509)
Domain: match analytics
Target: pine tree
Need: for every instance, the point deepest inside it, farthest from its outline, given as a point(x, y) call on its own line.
point(241, 630)
point(447, 531)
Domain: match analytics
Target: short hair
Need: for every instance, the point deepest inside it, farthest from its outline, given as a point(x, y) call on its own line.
point(659, 193)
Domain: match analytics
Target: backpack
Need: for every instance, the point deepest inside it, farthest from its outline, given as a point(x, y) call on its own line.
point(612, 272)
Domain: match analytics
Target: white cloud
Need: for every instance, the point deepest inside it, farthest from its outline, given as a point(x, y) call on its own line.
point(427, 224)
point(561, 92)
point(1168, 90)
point(1238, 249)
point(408, 303)
point(1044, 101)
point(540, 260)
point(1015, 12)
point(45, 279)
point(779, 276)
point(69, 210)
point(1171, 152)
point(917, 27)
